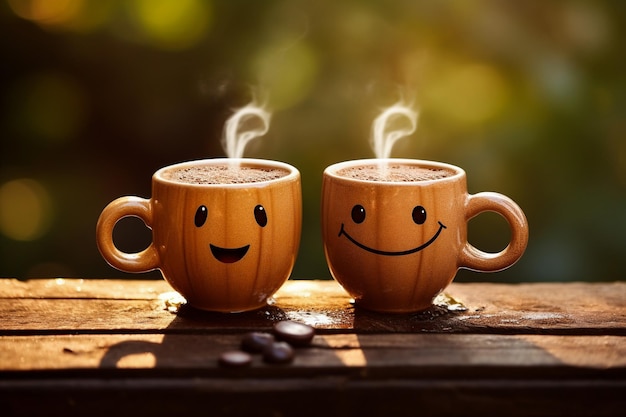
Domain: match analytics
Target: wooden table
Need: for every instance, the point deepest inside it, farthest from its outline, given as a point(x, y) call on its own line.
point(125, 347)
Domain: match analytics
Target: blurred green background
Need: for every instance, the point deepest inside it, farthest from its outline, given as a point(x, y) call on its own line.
point(529, 97)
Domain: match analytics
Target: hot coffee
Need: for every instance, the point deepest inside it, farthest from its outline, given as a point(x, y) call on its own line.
point(223, 174)
point(395, 230)
point(394, 173)
point(225, 232)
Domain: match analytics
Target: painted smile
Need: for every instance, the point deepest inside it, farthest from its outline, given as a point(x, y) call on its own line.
point(228, 256)
point(388, 253)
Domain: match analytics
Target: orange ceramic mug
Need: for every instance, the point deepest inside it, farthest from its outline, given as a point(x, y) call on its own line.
point(225, 232)
point(395, 230)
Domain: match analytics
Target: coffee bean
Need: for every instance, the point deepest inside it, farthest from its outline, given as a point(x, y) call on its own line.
point(297, 334)
point(235, 359)
point(278, 352)
point(256, 342)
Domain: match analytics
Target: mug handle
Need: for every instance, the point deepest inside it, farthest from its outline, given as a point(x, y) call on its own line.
point(477, 260)
point(143, 261)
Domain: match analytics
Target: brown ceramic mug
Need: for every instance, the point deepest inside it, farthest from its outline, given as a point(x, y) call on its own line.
point(226, 240)
point(395, 242)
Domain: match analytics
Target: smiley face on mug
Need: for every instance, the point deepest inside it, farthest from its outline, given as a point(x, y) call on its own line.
point(229, 255)
point(359, 215)
point(225, 231)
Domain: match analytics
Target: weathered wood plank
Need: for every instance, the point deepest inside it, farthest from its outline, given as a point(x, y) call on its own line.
point(397, 355)
point(117, 289)
point(104, 347)
point(344, 396)
point(135, 306)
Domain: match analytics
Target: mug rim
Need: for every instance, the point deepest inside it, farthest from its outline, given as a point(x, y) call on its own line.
point(331, 170)
point(293, 172)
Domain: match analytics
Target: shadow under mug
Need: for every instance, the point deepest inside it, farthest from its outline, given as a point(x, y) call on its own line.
point(394, 246)
point(224, 247)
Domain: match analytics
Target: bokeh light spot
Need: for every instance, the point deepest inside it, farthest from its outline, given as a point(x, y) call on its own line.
point(172, 25)
point(50, 107)
point(287, 70)
point(25, 210)
point(74, 15)
point(471, 93)
point(46, 12)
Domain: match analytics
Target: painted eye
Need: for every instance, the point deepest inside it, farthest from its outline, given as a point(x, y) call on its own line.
point(260, 215)
point(419, 215)
point(201, 215)
point(358, 213)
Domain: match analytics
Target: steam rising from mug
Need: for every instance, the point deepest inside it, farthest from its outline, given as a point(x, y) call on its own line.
point(383, 138)
point(234, 140)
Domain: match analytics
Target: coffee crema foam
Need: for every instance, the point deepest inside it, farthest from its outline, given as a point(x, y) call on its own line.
point(223, 174)
point(394, 173)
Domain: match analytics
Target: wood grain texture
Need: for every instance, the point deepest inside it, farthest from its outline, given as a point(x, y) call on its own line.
point(398, 354)
point(61, 306)
point(103, 347)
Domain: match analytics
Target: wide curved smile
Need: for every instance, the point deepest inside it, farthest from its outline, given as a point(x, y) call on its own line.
point(389, 253)
point(227, 255)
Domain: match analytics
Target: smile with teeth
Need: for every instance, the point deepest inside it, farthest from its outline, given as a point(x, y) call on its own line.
point(390, 253)
point(228, 255)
